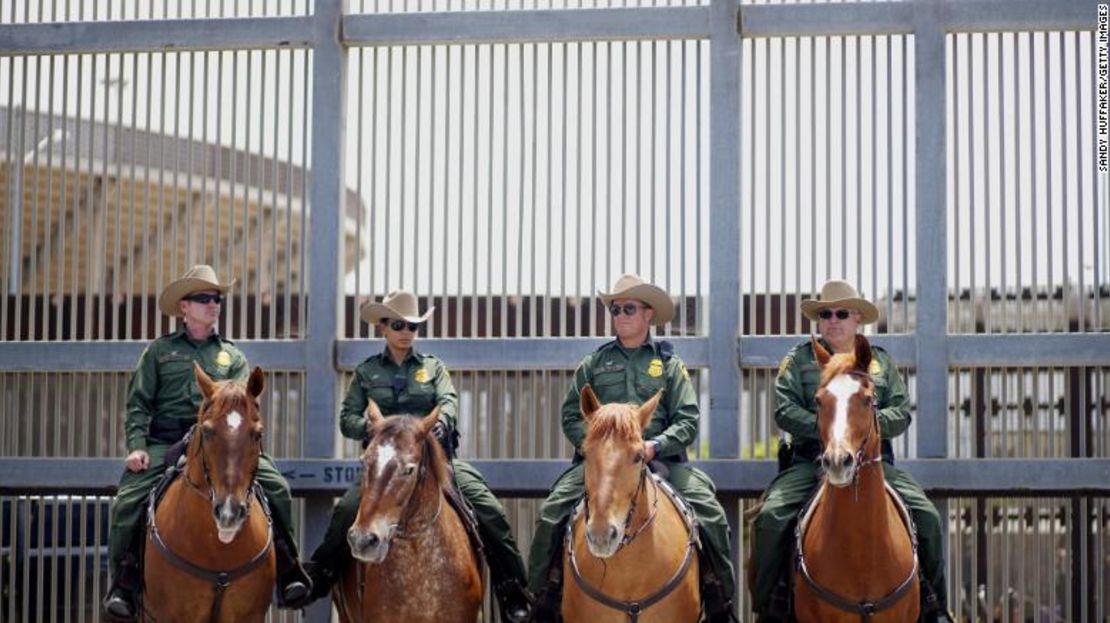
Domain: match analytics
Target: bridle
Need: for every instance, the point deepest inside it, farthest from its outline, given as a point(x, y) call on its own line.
point(632, 608)
point(401, 529)
point(866, 609)
point(220, 580)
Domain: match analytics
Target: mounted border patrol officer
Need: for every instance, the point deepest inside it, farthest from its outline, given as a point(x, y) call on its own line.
point(631, 369)
point(838, 314)
point(402, 380)
point(162, 404)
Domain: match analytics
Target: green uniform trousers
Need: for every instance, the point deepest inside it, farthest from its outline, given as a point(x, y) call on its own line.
point(691, 483)
point(774, 527)
point(501, 549)
point(129, 505)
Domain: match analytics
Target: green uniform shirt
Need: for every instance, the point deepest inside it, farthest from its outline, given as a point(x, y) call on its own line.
point(415, 387)
point(633, 376)
point(163, 397)
point(796, 392)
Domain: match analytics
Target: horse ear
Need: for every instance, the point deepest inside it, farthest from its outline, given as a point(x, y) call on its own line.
point(429, 421)
point(648, 408)
point(863, 354)
point(205, 382)
point(823, 355)
point(588, 402)
point(374, 414)
point(256, 382)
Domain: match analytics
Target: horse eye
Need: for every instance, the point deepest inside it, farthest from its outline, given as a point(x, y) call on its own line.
point(639, 458)
point(207, 432)
point(409, 469)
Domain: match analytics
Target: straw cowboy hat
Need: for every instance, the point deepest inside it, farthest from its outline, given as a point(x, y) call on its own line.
point(837, 294)
point(399, 305)
point(197, 279)
point(631, 286)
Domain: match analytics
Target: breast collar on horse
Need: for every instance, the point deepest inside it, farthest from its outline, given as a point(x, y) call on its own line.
point(634, 608)
point(866, 609)
point(221, 580)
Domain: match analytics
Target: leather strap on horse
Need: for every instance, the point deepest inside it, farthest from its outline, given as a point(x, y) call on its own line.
point(866, 609)
point(634, 608)
point(220, 579)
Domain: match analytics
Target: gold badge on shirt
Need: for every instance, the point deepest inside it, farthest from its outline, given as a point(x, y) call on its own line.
point(421, 376)
point(875, 369)
point(224, 358)
point(655, 368)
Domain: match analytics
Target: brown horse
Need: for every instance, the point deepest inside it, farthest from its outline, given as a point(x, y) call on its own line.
point(858, 559)
point(414, 561)
point(209, 552)
point(629, 555)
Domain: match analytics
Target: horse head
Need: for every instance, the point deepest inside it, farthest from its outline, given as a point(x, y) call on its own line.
point(402, 454)
point(224, 451)
point(615, 470)
point(846, 418)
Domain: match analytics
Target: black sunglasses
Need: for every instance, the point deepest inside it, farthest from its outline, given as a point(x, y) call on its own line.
point(629, 309)
point(398, 325)
point(204, 299)
point(827, 314)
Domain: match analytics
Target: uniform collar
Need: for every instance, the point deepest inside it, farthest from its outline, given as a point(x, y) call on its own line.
point(413, 354)
point(183, 333)
point(648, 343)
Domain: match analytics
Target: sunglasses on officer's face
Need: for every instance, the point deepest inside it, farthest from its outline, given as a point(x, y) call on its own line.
point(398, 325)
point(827, 314)
point(629, 309)
point(205, 299)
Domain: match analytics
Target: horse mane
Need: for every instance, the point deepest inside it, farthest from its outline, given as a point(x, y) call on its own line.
point(614, 421)
point(228, 396)
point(394, 426)
point(841, 363)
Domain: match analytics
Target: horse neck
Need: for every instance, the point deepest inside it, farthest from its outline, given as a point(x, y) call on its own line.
point(863, 505)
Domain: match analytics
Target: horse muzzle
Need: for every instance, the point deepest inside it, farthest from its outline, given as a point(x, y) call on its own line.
point(603, 538)
point(840, 467)
point(367, 546)
point(230, 516)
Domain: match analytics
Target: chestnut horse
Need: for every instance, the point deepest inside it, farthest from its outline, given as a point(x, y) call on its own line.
point(629, 555)
point(857, 554)
point(413, 559)
point(209, 552)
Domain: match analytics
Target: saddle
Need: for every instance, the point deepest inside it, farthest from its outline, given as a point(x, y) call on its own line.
point(466, 513)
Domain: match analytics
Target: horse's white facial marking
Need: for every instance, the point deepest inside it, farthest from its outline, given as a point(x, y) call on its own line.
point(385, 455)
point(234, 420)
point(842, 388)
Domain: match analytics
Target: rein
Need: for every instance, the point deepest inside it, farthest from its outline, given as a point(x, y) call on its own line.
point(635, 607)
point(220, 580)
point(865, 609)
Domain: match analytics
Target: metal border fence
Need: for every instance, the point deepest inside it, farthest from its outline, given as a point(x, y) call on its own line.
point(329, 30)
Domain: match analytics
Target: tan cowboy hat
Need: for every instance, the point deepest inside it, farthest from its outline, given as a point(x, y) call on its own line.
point(631, 286)
point(840, 294)
point(399, 305)
point(197, 279)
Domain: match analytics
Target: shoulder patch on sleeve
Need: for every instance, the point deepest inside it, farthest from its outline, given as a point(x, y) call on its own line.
point(785, 363)
point(876, 368)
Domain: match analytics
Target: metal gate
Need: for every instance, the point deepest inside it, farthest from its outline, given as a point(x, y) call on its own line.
point(505, 159)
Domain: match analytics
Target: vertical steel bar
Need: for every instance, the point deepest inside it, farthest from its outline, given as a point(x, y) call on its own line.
point(724, 316)
point(931, 229)
point(329, 80)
